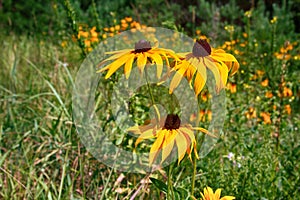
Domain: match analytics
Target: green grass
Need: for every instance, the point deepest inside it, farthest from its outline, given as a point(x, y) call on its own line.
point(42, 157)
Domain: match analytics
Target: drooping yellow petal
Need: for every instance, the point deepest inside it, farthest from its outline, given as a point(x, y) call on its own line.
point(199, 84)
point(114, 66)
point(156, 147)
point(214, 69)
point(176, 79)
point(145, 135)
point(141, 62)
point(181, 144)
point(120, 51)
point(201, 76)
point(204, 131)
point(228, 59)
point(168, 144)
point(128, 65)
point(224, 73)
point(159, 63)
point(189, 132)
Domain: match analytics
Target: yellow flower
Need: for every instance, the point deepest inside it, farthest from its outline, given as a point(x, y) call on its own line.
point(251, 113)
point(194, 65)
point(142, 53)
point(168, 132)
point(210, 195)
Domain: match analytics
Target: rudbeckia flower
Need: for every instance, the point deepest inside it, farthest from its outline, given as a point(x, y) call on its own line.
point(168, 132)
point(210, 195)
point(143, 53)
point(194, 66)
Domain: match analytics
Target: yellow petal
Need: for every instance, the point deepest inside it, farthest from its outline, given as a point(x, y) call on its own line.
point(128, 65)
point(200, 78)
point(156, 147)
point(141, 62)
point(168, 144)
point(214, 69)
point(176, 79)
point(146, 135)
point(181, 145)
point(204, 131)
point(159, 63)
point(228, 59)
point(218, 193)
point(224, 73)
point(114, 66)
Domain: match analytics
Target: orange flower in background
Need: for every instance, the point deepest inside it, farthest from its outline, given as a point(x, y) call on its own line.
point(231, 87)
point(287, 92)
point(205, 115)
point(265, 83)
point(266, 117)
point(269, 94)
point(210, 195)
point(288, 109)
point(168, 132)
point(260, 72)
point(251, 113)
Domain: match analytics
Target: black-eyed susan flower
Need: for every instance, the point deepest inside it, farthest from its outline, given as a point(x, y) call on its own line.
point(143, 53)
point(194, 66)
point(168, 133)
point(209, 194)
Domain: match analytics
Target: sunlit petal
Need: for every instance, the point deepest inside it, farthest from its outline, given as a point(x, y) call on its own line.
point(168, 144)
point(114, 66)
point(156, 147)
point(128, 65)
point(141, 62)
point(182, 145)
point(159, 64)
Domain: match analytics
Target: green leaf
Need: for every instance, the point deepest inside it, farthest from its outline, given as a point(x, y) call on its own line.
point(160, 185)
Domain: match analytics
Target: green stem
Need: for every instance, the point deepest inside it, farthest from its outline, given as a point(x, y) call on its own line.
point(170, 193)
point(198, 146)
point(194, 175)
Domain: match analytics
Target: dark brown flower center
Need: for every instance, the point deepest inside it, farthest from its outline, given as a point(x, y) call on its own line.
point(172, 122)
point(201, 48)
point(142, 46)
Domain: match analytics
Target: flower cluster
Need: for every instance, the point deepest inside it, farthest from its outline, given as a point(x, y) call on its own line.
point(92, 36)
point(168, 131)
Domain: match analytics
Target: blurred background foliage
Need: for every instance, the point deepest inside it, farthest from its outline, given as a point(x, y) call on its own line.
point(35, 17)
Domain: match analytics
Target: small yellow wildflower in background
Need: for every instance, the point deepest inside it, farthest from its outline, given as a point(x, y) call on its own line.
point(251, 113)
point(210, 195)
point(274, 20)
